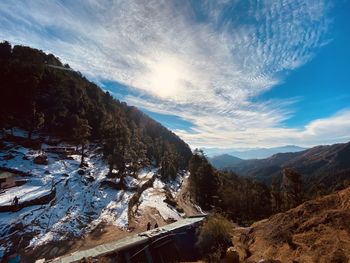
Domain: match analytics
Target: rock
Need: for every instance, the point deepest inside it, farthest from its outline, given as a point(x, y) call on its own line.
point(90, 179)
point(8, 157)
point(231, 256)
point(47, 172)
point(81, 172)
point(41, 159)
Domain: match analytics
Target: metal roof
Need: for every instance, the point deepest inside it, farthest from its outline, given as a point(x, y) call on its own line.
point(124, 243)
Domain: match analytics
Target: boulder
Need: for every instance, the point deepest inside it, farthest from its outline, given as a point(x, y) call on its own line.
point(41, 159)
point(231, 256)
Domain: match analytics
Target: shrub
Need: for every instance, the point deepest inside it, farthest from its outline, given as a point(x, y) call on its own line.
point(214, 238)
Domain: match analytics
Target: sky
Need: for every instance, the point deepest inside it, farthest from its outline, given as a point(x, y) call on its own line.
point(225, 73)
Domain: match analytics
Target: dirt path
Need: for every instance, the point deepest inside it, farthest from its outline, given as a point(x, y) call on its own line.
point(184, 200)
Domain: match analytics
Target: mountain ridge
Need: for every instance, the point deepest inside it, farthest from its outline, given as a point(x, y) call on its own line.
point(252, 153)
point(324, 164)
point(223, 160)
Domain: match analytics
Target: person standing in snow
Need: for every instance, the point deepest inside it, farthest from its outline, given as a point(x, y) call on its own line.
point(15, 200)
point(156, 225)
point(148, 226)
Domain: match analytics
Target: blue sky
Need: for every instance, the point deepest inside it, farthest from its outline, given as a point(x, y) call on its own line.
point(225, 73)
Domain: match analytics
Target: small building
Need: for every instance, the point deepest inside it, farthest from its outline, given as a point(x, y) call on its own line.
point(7, 180)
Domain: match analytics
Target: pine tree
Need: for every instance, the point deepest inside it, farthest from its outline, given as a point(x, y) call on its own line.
point(276, 199)
point(81, 133)
point(5, 50)
point(292, 189)
point(137, 151)
point(169, 166)
point(116, 142)
point(203, 180)
point(35, 120)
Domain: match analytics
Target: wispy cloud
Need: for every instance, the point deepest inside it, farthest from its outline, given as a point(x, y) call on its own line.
point(204, 61)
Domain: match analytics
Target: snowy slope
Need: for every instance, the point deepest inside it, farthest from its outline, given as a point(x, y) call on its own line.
point(80, 205)
point(154, 197)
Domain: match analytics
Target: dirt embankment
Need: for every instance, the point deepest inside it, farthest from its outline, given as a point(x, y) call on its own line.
point(316, 231)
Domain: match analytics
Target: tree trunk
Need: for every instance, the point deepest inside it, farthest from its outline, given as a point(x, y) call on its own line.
point(30, 132)
point(82, 155)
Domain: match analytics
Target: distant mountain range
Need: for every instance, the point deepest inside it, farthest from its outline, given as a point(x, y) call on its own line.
point(251, 153)
point(224, 160)
point(321, 164)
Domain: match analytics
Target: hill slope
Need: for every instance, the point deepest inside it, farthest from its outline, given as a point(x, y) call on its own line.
point(321, 164)
point(316, 231)
point(77, 203)
point(40, 94)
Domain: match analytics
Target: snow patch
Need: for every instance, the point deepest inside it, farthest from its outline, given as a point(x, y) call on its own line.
point(154, 197)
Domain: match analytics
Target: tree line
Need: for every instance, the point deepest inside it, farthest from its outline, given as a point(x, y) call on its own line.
point(241, 199)
point(38, 96)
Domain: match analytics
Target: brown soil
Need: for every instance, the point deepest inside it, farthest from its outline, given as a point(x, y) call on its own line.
point(316, 231)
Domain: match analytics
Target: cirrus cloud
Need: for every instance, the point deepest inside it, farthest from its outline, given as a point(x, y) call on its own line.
point(203, 61)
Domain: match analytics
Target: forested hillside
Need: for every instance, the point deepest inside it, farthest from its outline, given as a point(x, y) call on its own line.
point(322, 166)
point(240, 199)
point(40, 96)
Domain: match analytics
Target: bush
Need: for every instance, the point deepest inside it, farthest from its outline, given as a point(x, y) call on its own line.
point(214, 238)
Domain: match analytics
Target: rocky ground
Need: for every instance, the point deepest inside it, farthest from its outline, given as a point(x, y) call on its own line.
point(316, 231)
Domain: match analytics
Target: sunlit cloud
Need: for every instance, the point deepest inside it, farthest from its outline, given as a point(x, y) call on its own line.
point(203, 61)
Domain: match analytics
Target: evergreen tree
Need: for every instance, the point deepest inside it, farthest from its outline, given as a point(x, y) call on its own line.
point(169, 166)
point(5, 50)
point(292, 188)
point(137, 151)
point(116, 142)
point(35, 121)
point(81, 133)
point(276, 199)
point(203, 180)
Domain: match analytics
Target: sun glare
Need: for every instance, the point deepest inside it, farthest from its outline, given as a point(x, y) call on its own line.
point(166, 77)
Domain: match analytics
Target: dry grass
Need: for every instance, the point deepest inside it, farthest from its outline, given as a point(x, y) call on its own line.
point(316, 231)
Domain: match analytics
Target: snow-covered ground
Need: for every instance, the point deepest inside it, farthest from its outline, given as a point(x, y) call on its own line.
point(154, 197)
point(80, 204)
point(31, 190)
